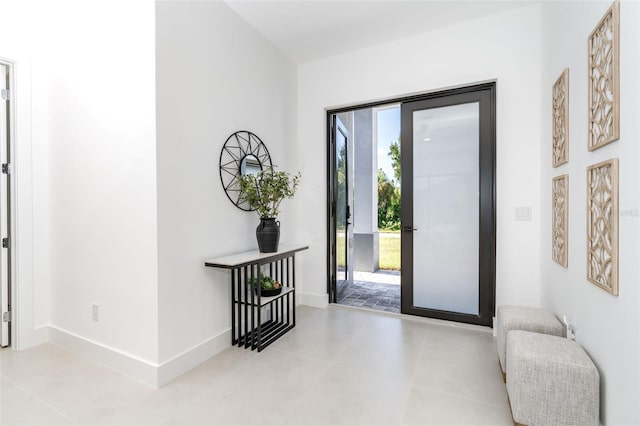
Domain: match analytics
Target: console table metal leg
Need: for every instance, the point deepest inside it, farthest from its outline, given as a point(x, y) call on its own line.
point(233, 301)
point(293, 284)
point(251, 337)
point(258, 308)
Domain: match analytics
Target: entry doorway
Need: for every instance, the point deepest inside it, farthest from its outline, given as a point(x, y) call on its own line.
point(446, 179)
point(366, 206)
point(6, 117)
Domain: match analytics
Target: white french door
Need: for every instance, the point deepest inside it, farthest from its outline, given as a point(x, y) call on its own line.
point(5, 265)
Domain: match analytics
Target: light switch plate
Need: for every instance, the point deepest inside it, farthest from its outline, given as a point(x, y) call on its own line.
point(523, 213)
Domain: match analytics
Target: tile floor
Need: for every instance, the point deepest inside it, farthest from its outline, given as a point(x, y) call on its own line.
point(338, 366)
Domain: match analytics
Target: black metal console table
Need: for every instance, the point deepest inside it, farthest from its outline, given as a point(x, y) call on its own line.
point(258, 321)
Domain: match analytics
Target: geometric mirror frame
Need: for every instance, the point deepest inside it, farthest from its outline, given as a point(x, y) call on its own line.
point(243, 153)
point(559, 225)
point(604, 80)
point(602, 225)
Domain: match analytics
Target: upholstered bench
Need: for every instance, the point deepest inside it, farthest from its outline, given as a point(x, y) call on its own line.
point(551, 381)
point(522, 318)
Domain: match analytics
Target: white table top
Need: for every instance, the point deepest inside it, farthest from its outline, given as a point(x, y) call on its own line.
point(241, 259)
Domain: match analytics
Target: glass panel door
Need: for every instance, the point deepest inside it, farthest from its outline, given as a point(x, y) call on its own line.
point(340, 227)
point(448, 207)
point(342, 205)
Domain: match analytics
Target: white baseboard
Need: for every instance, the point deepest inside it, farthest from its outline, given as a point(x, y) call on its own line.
point(31, 337)
point(127, 364)
point(147, 372)
point(192, 357)
point(315, 300)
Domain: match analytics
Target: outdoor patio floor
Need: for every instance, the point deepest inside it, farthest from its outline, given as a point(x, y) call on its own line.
point(378, 290)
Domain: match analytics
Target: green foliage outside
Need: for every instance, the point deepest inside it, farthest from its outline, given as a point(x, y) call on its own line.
point(389, 192)
point(388, 203)
point(388, 209)
point(342, 187)
point(389, 252)
point(389, 200)
point(340, 249)
point(389, 246)
point(394, 153)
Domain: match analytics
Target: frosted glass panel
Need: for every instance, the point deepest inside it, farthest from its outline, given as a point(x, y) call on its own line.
point(446, 208)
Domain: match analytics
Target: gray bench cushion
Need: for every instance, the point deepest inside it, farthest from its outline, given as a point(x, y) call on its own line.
point(511, 317)
point(551, 381)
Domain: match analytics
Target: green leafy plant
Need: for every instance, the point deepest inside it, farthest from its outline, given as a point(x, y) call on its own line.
point(266, 282)
point(265, 191)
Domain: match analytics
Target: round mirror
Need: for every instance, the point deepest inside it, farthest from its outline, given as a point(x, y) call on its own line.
point(242, 154)
point(250, 165)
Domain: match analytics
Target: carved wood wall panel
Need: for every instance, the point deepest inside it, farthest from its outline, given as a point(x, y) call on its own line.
point(561, 119)
point(604, 79)
point(602, 225)
point(559, 218)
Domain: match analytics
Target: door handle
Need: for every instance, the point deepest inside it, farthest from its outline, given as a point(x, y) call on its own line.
point(409, 229)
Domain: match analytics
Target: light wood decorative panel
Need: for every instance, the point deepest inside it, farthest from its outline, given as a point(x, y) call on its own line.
point(602, 225)
point(559, 225)
point(561, 119)
point(604, 80)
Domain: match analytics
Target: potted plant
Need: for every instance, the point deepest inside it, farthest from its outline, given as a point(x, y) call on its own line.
point(268, 286)
point(264, 192)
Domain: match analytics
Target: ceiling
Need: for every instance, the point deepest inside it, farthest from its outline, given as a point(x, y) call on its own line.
point(308, 30)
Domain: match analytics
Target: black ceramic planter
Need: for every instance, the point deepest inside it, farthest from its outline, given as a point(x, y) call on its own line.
point(268, 235)
point(268, 293)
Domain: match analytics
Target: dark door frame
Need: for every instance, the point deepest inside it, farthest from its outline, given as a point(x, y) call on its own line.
point(489, 269)
point(334, 127)
point(485, 96)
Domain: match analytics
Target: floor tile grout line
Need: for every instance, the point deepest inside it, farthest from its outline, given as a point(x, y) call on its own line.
point(315, 312)
point(43, 402)
point(449, 394)
point(215, 383)
point(413, 376)
point(455, 395)
point(304, 394)
point(333, 364)
point(304, 357)
point(367, 373)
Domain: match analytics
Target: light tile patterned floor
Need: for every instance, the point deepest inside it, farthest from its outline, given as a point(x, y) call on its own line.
point(339, 366)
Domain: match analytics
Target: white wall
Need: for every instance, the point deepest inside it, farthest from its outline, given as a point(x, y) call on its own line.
point(85, 176)
point(102, 172)
point(608, 327)
point(215, 75)
point(503, 47)
point(19, 43)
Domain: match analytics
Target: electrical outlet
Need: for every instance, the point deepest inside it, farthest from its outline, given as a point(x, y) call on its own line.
point(569, 328)
point(95, 312)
